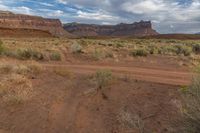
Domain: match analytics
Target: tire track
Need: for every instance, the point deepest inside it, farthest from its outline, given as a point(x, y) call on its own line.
point(139, 73)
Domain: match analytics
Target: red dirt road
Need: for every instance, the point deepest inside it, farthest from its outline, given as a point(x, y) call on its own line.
point(172, 77)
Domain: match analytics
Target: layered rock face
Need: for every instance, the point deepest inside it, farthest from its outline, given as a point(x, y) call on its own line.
point(18, 21)
point(142, 28)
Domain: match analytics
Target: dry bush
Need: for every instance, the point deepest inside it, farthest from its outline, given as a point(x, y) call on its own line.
point(29, 53)
point(103, 78)
point(98, 54)
point(35, 68)
point(63, 73)
point(76, 48)
point(196, 48)
point(55, 56)
point(15, 86)
point(2, 49)
point(191, 108)
point(5, 68)
point(31, 68)
point(185, 50)
point(15, 89)
point(139, 52)
point(130, 120)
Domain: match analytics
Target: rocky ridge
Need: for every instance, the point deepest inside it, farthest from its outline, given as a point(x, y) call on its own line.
point(19, 21)
point(142, 28)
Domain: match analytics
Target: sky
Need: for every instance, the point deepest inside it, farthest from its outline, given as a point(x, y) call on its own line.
point(167, 16)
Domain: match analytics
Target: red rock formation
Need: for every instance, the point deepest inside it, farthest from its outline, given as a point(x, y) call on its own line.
point(142, 28)
point(19, 21)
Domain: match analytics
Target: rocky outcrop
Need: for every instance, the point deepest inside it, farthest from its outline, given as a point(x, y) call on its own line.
point(142, 28)
point(21, 33)
point(19, 21)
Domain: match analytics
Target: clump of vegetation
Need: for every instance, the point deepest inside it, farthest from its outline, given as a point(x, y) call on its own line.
point(15, 89)
point(55, 56)
point(130, 120)
point(98, 54)
point(5, 68)
point(35, 68)
point(119, 45)
point(185, 50)
point(103, 78)
point(196, 48)
point(29, 54)
point(191, 109)
point(153, 50)
point(63, 73)
point(1, 48)
point(168, 50)
point(76, 48)
point(15, 86)
point(139, 52)
point(31, 68)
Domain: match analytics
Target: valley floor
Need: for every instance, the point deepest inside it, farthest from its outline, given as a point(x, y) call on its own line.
point(63, 96)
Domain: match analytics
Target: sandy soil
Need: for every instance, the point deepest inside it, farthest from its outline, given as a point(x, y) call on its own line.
point(64, 105)
point(141, 99)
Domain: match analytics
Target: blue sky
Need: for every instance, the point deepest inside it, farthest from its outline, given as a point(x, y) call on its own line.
point(167, 16)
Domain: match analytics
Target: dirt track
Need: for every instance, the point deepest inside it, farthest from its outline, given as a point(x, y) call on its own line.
point(171, 77)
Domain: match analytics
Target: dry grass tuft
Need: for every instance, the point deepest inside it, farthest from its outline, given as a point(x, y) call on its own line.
point(15, 86)
point(103, 78)
point(132, 121)
point(15, 89)
point(63, 73)
point(191, 108)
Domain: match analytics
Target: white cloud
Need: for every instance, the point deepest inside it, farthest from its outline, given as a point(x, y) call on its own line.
point(99, 15)
point(46, 4)
point(62, 1)
point(57, 13)
point(143, 7)
point(23, 9)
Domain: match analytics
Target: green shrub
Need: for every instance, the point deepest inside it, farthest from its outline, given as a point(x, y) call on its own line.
point(55, 56)
point(102, 78)
point(119, 45)
point(185, 50)
point(196, 48)
point(168, 49)
point(29, 54)
point(76, 48)
point(153, 50)
point(139, 52)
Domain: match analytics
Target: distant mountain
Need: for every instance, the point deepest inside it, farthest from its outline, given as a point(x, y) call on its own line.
point(142, 28)
point(11, 21)
point(198, 33)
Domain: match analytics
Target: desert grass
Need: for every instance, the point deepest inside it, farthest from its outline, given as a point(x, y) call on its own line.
point(63, 72)
point(43, 49)
point(130, 120)
point(103, 78)
point(76, 48)
point(55, 56)
point(15, 89)
point(15, 84)
point(191, 107)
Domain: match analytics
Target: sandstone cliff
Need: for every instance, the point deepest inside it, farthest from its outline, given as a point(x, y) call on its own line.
point(142, 28)
point(18, 21)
